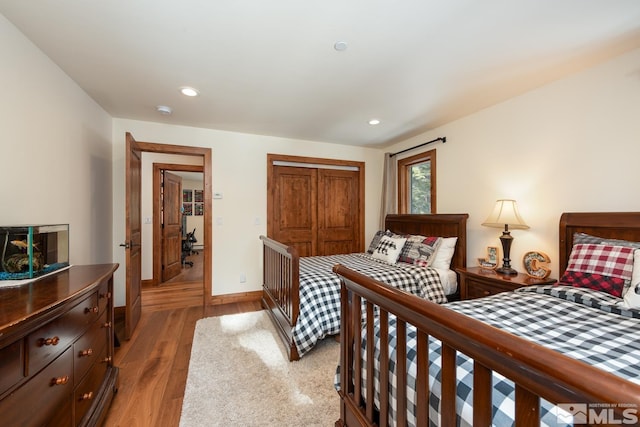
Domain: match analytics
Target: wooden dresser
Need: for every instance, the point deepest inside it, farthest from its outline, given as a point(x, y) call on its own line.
point(56, 349)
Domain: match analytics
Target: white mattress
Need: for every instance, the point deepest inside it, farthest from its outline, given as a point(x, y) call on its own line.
point(449, 280)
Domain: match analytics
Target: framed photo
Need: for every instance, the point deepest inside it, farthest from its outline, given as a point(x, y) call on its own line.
point(187, 196)
point(198, 196)
point(198, 209)
point(187, 209)
point(492, 255)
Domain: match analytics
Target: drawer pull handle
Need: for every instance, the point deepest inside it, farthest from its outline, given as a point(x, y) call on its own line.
point(48, 341)
point(107, 359)
point(107, 295)
point(106, 325)
point(87, 396)
point(85, 353)
point(91, 310)
point(60, 380)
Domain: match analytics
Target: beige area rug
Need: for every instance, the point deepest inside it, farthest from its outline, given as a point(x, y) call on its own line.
point(239, 376)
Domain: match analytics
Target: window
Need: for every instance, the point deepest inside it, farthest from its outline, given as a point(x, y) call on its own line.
point(417, 183)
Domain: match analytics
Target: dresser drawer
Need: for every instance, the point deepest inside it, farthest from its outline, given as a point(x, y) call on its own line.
point(87, 348)
point(477, 289)
point(44, 344)
point(11, 365)
point(104, 295)
point(87, 390)
point(44, 399)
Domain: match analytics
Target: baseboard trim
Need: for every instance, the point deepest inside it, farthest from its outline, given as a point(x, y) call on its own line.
point(214, 300)
point(239, 297)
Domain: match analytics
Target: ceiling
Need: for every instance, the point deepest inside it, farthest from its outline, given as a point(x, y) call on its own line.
point(270, 67)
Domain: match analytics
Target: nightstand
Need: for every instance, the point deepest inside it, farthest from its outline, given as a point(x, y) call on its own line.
point(476, 282)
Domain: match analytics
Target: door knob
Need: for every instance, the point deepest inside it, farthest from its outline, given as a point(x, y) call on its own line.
point(125, 245)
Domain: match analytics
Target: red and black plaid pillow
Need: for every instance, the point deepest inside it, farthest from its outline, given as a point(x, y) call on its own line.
point(600, 267)
point(419, 250)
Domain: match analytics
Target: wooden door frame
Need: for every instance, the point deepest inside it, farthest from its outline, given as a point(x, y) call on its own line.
point(318, 161)
point(205, 153)
point(157, 226)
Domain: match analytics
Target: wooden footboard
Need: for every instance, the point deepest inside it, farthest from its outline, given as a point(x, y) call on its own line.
point(281, 289)
point(537, 371)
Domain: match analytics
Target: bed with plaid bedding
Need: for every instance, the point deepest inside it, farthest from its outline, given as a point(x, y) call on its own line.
point(581, 323)
point(319, 314)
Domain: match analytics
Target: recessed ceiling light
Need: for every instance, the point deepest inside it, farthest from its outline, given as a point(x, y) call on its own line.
point(189, 91)
point(163, 109)
point(340, 46)
point(374, 122)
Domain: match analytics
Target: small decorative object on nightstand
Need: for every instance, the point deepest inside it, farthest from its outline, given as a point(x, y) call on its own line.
point(478, 282)
point(536, 264)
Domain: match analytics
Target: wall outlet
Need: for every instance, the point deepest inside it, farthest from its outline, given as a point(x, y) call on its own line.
point(243, 277)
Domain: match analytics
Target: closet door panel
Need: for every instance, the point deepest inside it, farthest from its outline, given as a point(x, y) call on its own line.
point(294, 216)
point(338, 211)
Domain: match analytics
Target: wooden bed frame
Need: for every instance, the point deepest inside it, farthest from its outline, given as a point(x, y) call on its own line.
point(281, 287)
point(537, 371)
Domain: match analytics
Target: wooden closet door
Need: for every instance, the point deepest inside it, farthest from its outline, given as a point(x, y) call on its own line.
point(338, 212)
point(294, 217)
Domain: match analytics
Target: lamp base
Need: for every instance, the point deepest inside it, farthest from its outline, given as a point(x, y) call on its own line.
point(507, 271)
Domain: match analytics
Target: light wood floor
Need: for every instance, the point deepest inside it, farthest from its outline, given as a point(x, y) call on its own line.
point(154, 362)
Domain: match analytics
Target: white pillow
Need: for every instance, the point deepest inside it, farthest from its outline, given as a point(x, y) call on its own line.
point(632, 296)
point(389, 249)
point(442, 259)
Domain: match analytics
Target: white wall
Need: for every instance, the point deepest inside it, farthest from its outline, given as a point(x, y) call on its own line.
point(569, 146)
point(55, 153)
point(239, 163)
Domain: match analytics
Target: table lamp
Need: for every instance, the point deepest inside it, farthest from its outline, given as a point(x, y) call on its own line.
point(505, 214)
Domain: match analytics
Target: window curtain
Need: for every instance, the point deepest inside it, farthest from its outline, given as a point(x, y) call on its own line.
point(389, 188)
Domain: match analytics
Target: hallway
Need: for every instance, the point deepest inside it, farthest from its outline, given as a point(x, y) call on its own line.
point(184, 290)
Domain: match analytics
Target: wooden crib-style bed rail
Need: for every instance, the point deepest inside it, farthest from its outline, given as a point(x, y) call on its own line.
point(280, 290)
point(281, 266)
point(537, 371)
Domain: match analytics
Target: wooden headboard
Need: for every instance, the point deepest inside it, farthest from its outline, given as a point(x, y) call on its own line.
point(610, 225)
point(441, 225)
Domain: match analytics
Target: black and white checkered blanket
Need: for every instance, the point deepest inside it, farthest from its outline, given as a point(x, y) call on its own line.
point(319, 314)
point(580, 323)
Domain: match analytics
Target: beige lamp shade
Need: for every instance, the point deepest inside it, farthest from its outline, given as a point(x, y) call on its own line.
point(505, 212)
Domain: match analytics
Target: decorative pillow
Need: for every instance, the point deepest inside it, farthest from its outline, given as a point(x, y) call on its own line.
point(389, 249)
point(585, 238)
point(419, 250)
point(442, 258)
point(632, 296)
point(600, 267)
point(376, 239)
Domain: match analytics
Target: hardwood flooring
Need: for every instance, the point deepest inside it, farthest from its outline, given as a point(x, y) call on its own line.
point(184, 290)
point(154, 362)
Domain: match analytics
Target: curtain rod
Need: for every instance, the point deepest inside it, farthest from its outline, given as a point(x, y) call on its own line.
point(442, 138)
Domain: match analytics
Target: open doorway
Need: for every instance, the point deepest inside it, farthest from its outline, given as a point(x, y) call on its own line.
point(189, 217)
point(135, 150)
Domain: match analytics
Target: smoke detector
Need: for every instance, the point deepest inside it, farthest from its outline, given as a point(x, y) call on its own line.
point(163, 109)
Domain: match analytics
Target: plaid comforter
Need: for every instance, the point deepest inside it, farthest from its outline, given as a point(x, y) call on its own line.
point(580, 323)
point(319, 314)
